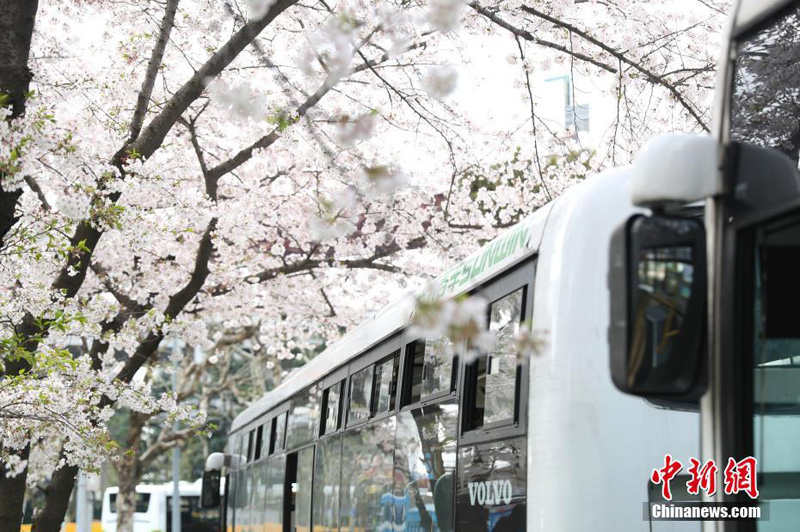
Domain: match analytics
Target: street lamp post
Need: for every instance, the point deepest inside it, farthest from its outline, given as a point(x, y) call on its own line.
point(176, 455)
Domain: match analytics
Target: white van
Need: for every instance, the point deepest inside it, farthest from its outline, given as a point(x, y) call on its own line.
point(154, 509)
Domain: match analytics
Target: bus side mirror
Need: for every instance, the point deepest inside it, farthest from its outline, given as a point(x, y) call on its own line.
point(209, 495)
point(657, 280)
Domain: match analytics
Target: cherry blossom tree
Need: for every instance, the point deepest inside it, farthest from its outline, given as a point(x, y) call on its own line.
point(182, 167)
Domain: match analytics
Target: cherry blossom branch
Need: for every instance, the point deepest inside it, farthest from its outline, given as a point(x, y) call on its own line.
point(649, 74)
point(370, 262)
point(87, 234)
point(167, 439)
point(147, 348)
point(152, 69)
point(528, 36)
point(533, 117)
point(154, 133)
point(34, 186)
point(267, 140)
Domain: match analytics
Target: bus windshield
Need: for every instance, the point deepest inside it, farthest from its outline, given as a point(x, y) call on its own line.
point(765, 106)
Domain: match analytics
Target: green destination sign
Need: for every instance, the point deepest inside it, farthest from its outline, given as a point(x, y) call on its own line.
point(487, 258)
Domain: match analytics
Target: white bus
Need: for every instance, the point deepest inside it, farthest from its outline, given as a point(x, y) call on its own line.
point(154, 509)
point(667, 292)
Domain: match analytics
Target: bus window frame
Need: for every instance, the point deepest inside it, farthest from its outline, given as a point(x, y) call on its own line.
point(259, 443)
point(521, 275)
point(395, 355)
point(315, 430)
point(274, 414)
point(391, 346)
point(407, 370)
point(250, 436)
point(337, 376)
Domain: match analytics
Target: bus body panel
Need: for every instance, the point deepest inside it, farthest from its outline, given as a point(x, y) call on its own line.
point(586, 465)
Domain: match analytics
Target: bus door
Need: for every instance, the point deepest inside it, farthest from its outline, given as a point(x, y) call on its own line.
point(753, 408)
point(297, 490)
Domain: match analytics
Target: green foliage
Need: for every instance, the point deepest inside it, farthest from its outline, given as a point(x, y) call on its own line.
point(282, 119)
point(17, 346)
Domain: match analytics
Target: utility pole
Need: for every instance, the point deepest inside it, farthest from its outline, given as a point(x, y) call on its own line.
point(176, 452)
point(82, 515)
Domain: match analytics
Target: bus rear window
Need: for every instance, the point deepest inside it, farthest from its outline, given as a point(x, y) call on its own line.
point(142, 503)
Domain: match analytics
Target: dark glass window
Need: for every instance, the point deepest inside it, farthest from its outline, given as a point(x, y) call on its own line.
point(266, 436)
point(250, 445)
point(242, 495)
point(385, 388)
point(496, 372)
point(424, 468)
point(775, 348)
point(261, 474)
point(432, 368)
point(302, 488)
point(259, 436)
point(273, 510)
point(360, 393)
point(230, 499)
point(303, 418)
point(367, 498)
point(327, 472)
point(765, 108)
point(142, 503)
point(333, 406)
point(278, 432)
point(193, 516)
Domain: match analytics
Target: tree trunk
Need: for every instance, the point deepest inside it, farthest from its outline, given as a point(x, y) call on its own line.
point(128, 475)
point(16, 29)
point(13, 496)
point(56, 499)
point(129, 471)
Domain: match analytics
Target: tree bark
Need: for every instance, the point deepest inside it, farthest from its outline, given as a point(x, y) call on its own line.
point(13, 496)
point(129, 471)
point(56, 500)
point(128, 476)
point(16, 29)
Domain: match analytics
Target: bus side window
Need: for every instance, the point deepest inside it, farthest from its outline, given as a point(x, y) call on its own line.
point(493, 377)
point(358, 408)
point(248, 451)
point(278, 433)
point(303, 418)
point(385, 388)
point(266, 435)
point(431, 369)
point(331, 408)
point(258, 444)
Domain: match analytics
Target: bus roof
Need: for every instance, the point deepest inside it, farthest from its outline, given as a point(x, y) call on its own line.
point(510, 247)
